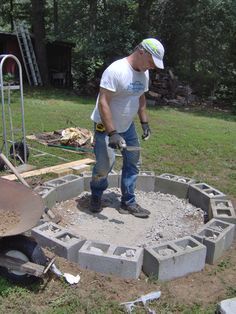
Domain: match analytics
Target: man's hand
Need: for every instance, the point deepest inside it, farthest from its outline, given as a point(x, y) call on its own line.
point(116, 141)
point(146, 130)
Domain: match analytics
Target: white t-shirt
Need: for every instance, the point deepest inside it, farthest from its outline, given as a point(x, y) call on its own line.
point(128, 85)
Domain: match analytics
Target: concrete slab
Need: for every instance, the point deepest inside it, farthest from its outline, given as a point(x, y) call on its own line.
point(222, 209)
point(67, 187)
point(174, 259)
point(200, 195)
point(61, 241)
point(125, 262)
point(146, 181)
point(217, 236)
point(172, 184)
point(48, 194)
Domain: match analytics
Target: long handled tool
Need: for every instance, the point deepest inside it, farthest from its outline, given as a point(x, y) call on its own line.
point(13, 169)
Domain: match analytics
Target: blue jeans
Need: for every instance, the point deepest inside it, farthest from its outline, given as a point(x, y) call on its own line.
point(105, 159)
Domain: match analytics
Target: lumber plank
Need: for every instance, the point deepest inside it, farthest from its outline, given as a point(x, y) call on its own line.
point(51, 169)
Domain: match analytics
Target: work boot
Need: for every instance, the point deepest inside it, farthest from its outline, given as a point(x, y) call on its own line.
point(95, 204)
point(134, 209)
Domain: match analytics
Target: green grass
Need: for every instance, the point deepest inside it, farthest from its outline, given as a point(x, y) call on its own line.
point(197, 144)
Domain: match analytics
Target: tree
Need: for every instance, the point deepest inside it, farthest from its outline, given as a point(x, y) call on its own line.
point(40, 38)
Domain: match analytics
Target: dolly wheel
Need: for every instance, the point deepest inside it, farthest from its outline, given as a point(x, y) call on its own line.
point(2, 165)
point(23, 248)
point(19, 151)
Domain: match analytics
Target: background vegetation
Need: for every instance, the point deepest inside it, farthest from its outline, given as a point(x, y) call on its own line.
point(199, 36)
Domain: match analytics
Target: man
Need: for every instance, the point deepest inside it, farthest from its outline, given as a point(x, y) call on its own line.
point(121, 97)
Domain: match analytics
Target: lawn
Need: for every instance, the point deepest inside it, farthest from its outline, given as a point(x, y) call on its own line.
point(199, 144)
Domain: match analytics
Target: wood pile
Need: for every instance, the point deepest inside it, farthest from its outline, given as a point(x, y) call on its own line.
point(165, 89)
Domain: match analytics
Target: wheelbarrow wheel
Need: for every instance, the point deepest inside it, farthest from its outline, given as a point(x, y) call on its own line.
point(19, 151)
point(23, 248)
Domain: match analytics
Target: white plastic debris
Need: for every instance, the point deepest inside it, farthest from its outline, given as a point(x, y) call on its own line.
point(227, 306)
point(71, 279)
point(129, 306)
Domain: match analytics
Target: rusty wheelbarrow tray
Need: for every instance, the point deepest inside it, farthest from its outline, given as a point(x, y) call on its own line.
point(20, 208)
point(21, 259)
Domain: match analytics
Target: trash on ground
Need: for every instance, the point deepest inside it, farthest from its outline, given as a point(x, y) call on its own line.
point(129, 306)
point(71, 279)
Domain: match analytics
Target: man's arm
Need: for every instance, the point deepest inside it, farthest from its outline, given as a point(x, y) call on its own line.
point(104, 109)
point(142, 109)
point(142, 113)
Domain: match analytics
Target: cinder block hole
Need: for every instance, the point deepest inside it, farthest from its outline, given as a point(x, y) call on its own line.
point(66, 237)
point(165, 250)
point(42, 190)
point(58, 182)
point(186, 244)
point(125, 252)
point(146, 173)
point(212, 192)
point(168, 176)
point(70, 177)
point(209, 234)
point(96, 247)
point(182, 180)
point(203, 186)
point(218, 226)
point(50, 229)
point(223, 212)
point(222, 203)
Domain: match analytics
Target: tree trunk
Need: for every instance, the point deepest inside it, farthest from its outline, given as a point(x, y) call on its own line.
point(40, 38)
point(144, 14)
point(55, 17)
point(92, 17)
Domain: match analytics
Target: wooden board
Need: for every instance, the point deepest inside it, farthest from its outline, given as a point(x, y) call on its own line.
point(41, 171)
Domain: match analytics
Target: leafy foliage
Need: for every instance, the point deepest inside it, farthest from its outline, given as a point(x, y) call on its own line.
point(199, 37)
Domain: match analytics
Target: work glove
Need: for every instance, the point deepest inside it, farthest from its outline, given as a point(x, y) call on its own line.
point(116, 141)
point(146, 130)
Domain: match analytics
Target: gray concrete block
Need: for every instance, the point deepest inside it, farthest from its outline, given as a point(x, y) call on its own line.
point(48, 194)
point(200, 195)
point(61, 241)
point(174, 259)
point(146, 181)
point(87, 178)
point(125, 262)
point(172, 184)
point(45, 234)
point(67, 187)
point(222, 209)
point(113, 180)
point(217, 236)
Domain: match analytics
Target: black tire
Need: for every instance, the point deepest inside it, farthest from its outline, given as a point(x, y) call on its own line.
point(2, 165)
point(27, 249)
point(19, 150)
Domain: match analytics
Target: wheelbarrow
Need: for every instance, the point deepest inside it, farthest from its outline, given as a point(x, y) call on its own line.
point(21, 258)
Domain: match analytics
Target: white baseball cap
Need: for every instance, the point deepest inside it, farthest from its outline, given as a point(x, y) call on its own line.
point(155, 48)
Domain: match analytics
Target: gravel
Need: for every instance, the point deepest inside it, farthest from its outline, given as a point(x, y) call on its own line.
point(170, 218)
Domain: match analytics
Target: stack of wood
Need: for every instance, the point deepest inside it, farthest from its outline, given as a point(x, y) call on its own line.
point(165, 89)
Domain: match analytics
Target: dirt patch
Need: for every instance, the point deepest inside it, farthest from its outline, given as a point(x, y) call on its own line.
point(9, 219)
point(205, 288)
point(170, 218)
